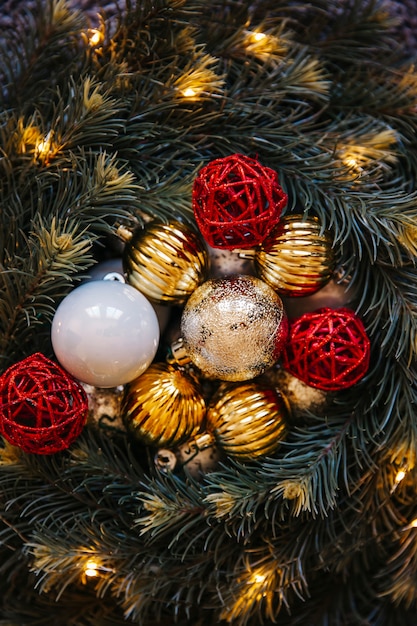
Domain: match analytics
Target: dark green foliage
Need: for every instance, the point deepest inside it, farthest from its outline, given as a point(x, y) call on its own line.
point(94, 136)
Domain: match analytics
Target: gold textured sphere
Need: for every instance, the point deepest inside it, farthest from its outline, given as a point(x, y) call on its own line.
point(163, 407)
point(234, 328)
point(249, 420)
point(166, 262)
point(296, 258)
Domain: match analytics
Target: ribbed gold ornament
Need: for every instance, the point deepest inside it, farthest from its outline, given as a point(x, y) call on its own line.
point(163, 406)
point(296, 258)
point(249, 420)
point(166, 262)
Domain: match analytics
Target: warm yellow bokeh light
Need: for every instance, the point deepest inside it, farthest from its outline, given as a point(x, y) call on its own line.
point(189, 93)
point(91, 568)
point(258, 36)
point(94, 37)
point(259, 578)
point(400, 476)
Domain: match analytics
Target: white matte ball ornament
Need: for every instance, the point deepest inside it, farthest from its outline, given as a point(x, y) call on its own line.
point(105, 333)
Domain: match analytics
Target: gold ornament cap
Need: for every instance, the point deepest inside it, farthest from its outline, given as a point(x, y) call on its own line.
point(166, 262)
point(249, 420)
point(296, 258)
point(164, 406)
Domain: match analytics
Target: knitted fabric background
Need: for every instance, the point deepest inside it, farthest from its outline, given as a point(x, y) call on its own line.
point(404, 10)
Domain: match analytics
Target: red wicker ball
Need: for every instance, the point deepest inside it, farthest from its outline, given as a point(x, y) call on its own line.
point(42, 408)
point(236, 202)
point(327, 349)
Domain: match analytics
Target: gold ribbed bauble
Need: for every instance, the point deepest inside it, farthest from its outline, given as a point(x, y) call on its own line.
point(234, 328)
point(166, 262)
point(296, 258)
point(248, 420)
point(163, 406)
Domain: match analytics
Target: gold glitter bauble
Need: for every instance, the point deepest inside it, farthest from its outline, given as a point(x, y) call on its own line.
point(163, 406)
point(296, 258)
point(249, 420)
point(234, 328)
point(166, 262)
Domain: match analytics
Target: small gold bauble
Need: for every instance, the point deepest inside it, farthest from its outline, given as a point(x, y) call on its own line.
point(301, 398)
point(296, 258)
point(104, 408)
point(163, 406)
point(249, 420)
point(234, 328)
point(166, 262)
point(198, 456)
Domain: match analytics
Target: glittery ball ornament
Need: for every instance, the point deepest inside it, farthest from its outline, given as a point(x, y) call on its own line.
point(105, 333)
point(327, 349)
point(248, 420)
point(163, 407)
point(233, 328)
point(237, 201)
point(296, 258)
point(42, 408)
point(166, 262)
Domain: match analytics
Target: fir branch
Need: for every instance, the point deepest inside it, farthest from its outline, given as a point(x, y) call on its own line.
point(169, 503)
point(52, 49)
point(82, 114)
point(389, 304)
point(32, 287)
point(306, 476)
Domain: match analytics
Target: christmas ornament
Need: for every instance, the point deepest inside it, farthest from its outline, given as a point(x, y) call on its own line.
point(164, 406)
point(248, 420)
point(327, 349)
point(225, 263)
point(166, 262)
point(105, 333)
point(296, 258)
point(104, 408)
point(302, 399)
point(338, 292)
point(43, 409)
point(237, 201)
point(112, 269)
point(233, 328)
point(198, 456)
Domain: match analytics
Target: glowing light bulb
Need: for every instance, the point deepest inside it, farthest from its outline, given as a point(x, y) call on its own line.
point(400, 476)
point(44, 146)
point(350, 161)
point(189, 92)
point(259, 578)
point(95, 37)
point(259, 36)
point(91, 568)
point(413, 524)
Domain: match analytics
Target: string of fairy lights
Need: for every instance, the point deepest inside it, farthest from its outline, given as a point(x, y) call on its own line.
point(354, 158)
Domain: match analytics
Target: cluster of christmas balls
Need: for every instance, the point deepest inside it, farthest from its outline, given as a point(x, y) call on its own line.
point(233, 328)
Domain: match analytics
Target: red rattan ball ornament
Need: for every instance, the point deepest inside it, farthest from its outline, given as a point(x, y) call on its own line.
point(42, 408)
point(236, 202)
point(327, 349)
